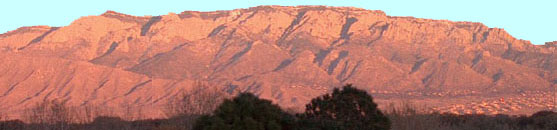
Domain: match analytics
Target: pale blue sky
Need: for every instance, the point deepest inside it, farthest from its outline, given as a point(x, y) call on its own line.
point(532, 20)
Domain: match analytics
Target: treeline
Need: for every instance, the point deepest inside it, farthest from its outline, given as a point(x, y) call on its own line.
point(347, 108)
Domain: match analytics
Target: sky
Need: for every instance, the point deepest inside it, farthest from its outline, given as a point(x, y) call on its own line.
point(532, 20)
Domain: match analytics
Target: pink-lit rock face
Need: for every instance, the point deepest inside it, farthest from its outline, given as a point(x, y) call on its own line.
point(286, 54)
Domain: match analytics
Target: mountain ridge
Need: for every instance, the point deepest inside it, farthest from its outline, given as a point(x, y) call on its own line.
point(283, 53)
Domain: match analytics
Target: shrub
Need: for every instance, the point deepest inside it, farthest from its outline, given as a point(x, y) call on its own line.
point(349, 108)
point(245, 112)
point(107, 123)
point(546, 120)
point(11, 125)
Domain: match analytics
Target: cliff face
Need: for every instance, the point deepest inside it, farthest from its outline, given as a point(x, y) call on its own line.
point(287, 54)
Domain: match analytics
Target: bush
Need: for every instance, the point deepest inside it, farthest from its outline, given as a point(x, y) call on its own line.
point(546, 120)
point(107, 123)
point(246, 112)
point(11, 125)
point(349, 108)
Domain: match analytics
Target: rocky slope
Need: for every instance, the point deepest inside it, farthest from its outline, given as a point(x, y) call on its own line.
point(287, 54)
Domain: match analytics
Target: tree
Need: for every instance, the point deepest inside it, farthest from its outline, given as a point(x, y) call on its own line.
point(51, 114)
point(347, 109)
point(246, 112)
point(202, 99)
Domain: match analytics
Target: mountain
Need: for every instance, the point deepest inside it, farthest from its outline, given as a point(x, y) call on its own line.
point(286, 54)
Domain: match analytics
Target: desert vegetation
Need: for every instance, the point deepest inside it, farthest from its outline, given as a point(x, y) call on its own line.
point(207, 108)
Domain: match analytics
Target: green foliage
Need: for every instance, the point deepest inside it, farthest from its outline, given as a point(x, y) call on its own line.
point(346, 109)
point(246, 112)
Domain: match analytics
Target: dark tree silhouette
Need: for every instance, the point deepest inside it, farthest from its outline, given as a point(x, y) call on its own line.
point(246, 112)
point(346, 109)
